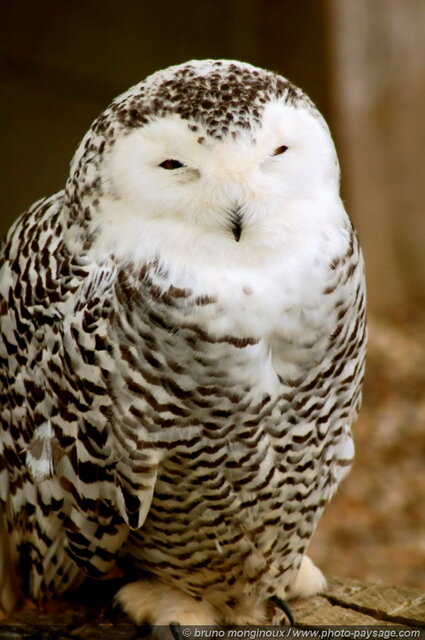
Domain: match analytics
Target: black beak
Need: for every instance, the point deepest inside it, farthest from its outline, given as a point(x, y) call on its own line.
point(236, 223)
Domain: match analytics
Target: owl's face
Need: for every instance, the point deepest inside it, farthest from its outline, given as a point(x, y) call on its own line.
point(237, 185)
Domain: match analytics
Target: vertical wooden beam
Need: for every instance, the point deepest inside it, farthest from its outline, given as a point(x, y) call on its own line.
point(378, 56)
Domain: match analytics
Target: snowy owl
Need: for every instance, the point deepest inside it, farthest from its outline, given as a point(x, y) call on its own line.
point(181, 355)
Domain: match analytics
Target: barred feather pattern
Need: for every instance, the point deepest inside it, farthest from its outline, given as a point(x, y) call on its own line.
point(134, 433)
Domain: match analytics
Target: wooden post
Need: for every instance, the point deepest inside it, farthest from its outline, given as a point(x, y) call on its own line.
point(378, 60)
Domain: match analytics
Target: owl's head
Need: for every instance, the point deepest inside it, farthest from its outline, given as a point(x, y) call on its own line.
point(213, 153)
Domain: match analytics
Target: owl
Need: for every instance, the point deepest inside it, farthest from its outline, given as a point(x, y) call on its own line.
point(181, 355)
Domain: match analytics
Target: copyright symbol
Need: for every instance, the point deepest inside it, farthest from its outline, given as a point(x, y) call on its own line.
point(186, 632)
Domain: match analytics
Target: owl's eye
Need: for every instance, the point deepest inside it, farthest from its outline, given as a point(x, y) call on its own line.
point(279, 150)
point(171, 164)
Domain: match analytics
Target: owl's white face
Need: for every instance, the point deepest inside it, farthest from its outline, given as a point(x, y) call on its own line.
point(169, 189)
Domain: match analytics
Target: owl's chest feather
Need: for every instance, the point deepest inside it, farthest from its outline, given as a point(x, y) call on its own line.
point(256, 326)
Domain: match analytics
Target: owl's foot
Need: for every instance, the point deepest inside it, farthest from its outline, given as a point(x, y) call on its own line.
point(309, 581)
point(158, 604)
point(155, 603)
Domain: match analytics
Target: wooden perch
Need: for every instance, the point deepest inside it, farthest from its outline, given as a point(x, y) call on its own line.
point(351, 602)
point(346, 602)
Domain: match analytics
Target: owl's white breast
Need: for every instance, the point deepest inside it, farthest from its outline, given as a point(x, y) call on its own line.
point(260, 285)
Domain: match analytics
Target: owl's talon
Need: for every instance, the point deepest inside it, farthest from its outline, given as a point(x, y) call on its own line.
point(175, 629)
point(112, 611)
point(281, 604)
point(144, 630)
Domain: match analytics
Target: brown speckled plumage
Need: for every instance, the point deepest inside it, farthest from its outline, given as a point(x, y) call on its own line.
point(134, 431)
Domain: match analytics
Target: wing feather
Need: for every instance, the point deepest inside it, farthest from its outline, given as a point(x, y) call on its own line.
point(60, 461)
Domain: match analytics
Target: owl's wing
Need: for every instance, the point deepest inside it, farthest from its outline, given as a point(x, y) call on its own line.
point(72, 474)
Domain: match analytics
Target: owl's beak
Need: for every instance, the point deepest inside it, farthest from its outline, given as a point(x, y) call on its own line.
point(236, 223)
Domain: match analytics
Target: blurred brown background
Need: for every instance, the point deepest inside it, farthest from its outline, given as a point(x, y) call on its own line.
point(363, 64)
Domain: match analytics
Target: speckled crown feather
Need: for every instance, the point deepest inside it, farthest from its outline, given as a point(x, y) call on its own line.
point(215, 97)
